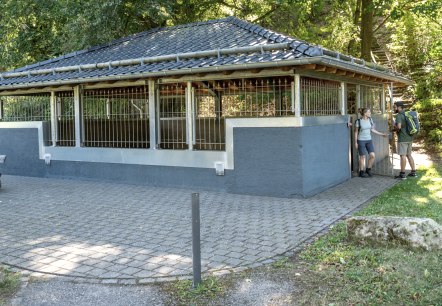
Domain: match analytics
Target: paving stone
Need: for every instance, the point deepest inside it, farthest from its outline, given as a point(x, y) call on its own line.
point(148, 235)
point(130, 271)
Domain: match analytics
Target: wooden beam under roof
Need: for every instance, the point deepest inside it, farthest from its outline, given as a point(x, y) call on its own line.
point(320, 68)
point(331, 69)
point(257, 70)
point(228, 72)
point(341, 72)
point(308, 66)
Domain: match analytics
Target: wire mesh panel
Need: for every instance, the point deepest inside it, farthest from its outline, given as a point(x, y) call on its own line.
point(116, 118)
point(319, 97)
point(172, 133)
point(35, 107)
point(371, 97)
point(65, 114)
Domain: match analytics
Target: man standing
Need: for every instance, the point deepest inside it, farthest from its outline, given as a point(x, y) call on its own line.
point(405, 141)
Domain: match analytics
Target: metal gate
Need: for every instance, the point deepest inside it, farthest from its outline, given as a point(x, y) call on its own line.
point(383, 164)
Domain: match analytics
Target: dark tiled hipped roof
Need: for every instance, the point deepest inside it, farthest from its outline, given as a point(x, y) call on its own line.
point(228, 41)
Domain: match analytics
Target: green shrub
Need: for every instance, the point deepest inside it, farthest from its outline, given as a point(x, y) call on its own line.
point(430, 116)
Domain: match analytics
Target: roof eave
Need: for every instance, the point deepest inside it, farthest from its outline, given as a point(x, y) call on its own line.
point(324, 60)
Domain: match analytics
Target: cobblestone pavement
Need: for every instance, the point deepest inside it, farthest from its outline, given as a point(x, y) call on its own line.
point(124, 234)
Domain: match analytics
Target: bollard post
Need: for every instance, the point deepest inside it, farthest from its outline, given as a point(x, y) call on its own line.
point(196, 240)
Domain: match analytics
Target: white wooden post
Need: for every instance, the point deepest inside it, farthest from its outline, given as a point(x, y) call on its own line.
point(343, 98)
point(78, 116)
point(383, 99)
point(1, 108)
point(152, 115)
point(54, 119)
point(296, 95)
point(189, 116)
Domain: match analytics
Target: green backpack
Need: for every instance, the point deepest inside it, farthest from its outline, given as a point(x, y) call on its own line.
point(412, 123)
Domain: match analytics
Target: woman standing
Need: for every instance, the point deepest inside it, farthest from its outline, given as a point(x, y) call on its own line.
point(363, 128)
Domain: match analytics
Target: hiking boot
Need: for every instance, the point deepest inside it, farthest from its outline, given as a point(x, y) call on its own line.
point(362, 174)
point(368, 171)
point(401, 176)
point(412, 174)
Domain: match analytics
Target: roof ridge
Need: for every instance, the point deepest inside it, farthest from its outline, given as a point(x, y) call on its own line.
point(295, 43)
point(121, 40)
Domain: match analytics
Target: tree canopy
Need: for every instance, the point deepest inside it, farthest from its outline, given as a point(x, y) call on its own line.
point(410, 31)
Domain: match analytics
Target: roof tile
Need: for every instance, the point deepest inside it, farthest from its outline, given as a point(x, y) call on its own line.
point(217, 34)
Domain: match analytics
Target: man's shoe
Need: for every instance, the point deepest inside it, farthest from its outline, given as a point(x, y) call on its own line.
point(362, 174)
point(368, 171)
point(401, 176)
point(412, 174)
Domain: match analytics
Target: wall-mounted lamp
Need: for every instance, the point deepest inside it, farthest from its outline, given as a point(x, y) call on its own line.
point(219, 168)
point(47, 158)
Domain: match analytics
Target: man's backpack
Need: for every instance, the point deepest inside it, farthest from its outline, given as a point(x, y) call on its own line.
point(412, 123)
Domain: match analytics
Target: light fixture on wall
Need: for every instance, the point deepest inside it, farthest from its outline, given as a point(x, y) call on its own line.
point(47, 158)
point(219, 168)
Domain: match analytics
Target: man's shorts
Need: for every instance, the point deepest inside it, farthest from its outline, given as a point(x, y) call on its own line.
point(365, 147)
point(404, 148)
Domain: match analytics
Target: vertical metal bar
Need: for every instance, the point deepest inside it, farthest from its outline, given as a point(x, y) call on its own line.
point(196, 240)
point(358, 98)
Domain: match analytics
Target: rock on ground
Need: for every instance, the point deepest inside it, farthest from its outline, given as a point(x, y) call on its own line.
point(415, 232)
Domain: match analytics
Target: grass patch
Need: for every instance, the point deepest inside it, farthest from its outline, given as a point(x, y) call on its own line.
point(9, 282)
point(343, 272)
point(283, 263)
point(182, 293)
point(421, 197)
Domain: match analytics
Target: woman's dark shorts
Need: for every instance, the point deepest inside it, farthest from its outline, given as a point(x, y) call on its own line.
point(365, 147)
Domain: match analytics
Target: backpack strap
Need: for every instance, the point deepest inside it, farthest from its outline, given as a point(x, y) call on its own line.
point(359, 123)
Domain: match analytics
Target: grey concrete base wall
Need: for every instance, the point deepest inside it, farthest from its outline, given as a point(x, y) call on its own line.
point(21, 148)
point(267, 161)
point(278, 162)
point(325, 157)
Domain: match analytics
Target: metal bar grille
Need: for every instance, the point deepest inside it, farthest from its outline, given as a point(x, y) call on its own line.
point(65, 114)
point(371, 97)
point(239, 98)
point(116, 117)
point(172, 116)
point(319, 97)
point(35, 107)
point(351, 99)
point(26, 108)
point(263, 97)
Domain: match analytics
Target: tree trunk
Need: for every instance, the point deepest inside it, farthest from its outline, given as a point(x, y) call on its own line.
point(366, 29)
point(356, 19)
